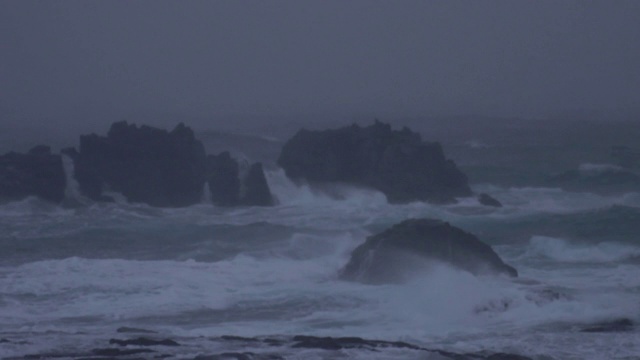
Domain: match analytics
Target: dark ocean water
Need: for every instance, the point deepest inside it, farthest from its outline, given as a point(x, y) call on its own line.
point(71, 276)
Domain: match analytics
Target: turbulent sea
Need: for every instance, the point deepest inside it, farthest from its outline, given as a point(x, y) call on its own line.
point(72, 277)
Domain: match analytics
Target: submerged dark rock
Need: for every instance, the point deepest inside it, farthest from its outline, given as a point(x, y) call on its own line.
point(119, 352)
point(126, 329)
point(36, 173)
point(264, 348)
point(142, 341)
point(229, 188)
point(145, 164)
point(394, 253)
point(239, 356)
point(397, 163)
point(487, 200)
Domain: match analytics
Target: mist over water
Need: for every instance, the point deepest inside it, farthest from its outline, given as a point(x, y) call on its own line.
point(529, 99)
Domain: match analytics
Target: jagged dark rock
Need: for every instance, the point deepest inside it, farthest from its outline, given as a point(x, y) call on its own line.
point(36, 173)
point(227, 188)
point(145, 164)
point(487, 200)
point(224, 179)
point(256, 188)
point(393, 254)
point(397, 163)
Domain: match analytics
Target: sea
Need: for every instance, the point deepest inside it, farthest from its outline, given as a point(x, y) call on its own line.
point(72, 277)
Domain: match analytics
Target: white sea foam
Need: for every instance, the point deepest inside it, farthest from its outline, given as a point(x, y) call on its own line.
point(289, 193)
point(72, 195)
point(289, 285)
point(562, 250)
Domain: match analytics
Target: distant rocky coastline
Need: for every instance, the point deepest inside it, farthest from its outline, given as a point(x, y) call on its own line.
point(171, 169)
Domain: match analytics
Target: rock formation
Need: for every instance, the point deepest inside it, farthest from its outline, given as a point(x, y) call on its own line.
point(229, 187)
point(145, 164)
point(37, 173)
point(256, 189)
point(223, 179)
point(397, 163)
point(395, 253)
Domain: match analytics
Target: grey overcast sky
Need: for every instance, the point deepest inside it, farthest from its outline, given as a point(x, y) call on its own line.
point(83, 64)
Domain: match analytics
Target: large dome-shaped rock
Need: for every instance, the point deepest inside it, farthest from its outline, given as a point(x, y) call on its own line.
point(145, 164)
point(36, 173)
point(394, 254)
point(397, 163)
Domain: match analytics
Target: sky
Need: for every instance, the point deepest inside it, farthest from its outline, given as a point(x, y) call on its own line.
point(80, 65)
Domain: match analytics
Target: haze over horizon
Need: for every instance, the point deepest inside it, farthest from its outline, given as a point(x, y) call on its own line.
point(80, 65)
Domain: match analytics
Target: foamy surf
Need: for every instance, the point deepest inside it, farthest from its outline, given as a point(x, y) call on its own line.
point(71, 275)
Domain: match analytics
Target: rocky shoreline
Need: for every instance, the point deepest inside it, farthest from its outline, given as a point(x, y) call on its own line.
point(147, 345)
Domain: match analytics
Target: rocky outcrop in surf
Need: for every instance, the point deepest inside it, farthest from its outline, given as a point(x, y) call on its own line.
point(145, 164)
point(394, 254)
point(162, 168)
point(228, 187)
point(397, 163)
point(36, 173)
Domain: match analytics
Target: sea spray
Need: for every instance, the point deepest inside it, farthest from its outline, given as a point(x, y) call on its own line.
point(557, 249)
point(72, 195)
